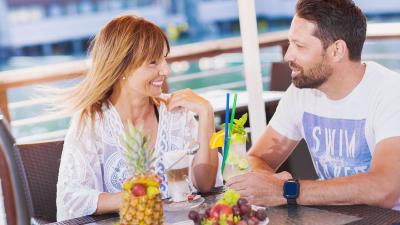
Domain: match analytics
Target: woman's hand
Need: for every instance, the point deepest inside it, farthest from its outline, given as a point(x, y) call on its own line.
point(191, 101)
point(205, 162)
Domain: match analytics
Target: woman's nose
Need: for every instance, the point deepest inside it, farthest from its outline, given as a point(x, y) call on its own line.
point(164, 68)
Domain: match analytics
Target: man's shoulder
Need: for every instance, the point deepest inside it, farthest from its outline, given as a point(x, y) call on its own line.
point(382, 79)
point(382, 73)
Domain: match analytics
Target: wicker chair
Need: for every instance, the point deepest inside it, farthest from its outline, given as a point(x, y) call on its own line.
point(16, 199)
point(41, 162)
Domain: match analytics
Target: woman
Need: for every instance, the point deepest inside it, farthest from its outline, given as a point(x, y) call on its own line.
point(127, 72)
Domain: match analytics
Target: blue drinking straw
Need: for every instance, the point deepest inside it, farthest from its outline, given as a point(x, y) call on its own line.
point(226, 122)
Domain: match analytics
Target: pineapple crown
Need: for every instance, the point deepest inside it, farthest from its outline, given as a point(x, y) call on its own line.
point(140, 158)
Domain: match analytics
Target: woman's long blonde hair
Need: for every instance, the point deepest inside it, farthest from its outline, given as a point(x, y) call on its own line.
point(121, 46)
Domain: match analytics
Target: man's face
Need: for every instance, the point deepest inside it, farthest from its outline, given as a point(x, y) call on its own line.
point(306, 56)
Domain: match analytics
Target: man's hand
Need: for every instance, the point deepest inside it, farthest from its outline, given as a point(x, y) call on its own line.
point(260, 188)
point(284, 175)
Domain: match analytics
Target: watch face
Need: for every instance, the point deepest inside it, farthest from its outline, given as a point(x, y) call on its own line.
point(291, 190)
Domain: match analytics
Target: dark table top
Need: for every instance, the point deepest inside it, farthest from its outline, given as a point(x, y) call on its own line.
point(353, 215)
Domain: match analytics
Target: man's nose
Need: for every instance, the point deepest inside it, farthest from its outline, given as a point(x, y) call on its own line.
point(289, 56)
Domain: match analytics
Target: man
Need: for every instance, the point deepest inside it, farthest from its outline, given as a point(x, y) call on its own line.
point(346, 110)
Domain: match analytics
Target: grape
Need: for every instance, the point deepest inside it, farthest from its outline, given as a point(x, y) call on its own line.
point(236, 210)
point(242, 201)
point(231, 197)
point(207, 212)
point(245, 218)
point(193, 215)
point(245, 209)
point(241, 223)
point(261, 214)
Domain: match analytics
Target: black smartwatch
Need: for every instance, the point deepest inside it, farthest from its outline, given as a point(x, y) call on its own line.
point(291, 190)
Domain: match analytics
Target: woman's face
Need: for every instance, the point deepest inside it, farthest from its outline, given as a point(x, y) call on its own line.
point(148, 79)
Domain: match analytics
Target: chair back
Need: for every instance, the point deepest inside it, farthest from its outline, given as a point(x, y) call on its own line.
point(41, 162)
point(16, 199)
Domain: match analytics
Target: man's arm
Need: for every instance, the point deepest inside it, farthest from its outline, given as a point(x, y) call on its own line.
point(270, 151)
point(380, 186)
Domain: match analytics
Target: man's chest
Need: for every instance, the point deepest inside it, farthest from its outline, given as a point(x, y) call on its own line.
point(337, 146)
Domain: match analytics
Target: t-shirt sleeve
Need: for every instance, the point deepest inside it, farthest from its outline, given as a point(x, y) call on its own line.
point(286, 119)
point(387, 117)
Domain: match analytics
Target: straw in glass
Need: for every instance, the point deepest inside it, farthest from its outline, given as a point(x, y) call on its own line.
point(226, 152)
point(226, 122)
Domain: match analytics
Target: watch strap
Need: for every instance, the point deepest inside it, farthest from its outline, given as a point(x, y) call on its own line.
point(291, 201)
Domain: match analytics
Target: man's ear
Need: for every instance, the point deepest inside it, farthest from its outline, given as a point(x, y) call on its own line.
point(339, 50)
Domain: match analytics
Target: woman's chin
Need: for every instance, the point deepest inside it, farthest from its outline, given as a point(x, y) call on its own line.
point(156, 93)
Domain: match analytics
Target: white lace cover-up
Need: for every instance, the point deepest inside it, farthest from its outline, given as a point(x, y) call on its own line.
point(94, 163)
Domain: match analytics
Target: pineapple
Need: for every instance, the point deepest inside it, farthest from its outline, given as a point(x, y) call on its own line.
point(142, 202)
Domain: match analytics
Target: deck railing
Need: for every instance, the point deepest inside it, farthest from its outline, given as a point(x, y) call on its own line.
point(71, 70)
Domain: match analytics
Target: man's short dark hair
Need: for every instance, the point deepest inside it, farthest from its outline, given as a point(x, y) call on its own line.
point(336, 20)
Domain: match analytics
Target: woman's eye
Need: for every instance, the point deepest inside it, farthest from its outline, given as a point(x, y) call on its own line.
point(153, 62)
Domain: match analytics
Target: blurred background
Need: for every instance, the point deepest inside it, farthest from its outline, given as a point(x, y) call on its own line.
point(45, 32)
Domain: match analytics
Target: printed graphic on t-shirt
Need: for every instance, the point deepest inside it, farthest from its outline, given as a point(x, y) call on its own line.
point(338, 147)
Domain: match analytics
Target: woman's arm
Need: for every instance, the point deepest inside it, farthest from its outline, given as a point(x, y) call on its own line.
point(80, 184)
point(109, 202)
point(205, 162)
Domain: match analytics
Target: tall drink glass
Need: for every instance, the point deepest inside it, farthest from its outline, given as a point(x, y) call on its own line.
point(237, 162)
point(177, 174)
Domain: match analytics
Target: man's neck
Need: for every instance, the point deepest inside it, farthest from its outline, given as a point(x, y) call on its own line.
point(344, 80)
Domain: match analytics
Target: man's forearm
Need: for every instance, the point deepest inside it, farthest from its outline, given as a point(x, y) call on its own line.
point(258, 164)
point(365, 188)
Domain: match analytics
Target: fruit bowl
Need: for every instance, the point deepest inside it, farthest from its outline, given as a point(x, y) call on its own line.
point(230, 210)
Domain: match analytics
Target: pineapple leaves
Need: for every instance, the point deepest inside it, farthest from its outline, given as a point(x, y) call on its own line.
point(140, 159)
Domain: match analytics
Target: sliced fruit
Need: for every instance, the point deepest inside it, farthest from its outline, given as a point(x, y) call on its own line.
point(138, 190)
point(220, 209)
point(238, 138)
point(243, 164)
point(152, 191)
point(217, 140)
point(233, 158)
point(127, 186)
point(147, 181)
point(142, 202)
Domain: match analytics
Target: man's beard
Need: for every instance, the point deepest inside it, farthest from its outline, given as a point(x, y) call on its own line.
point(314, 78)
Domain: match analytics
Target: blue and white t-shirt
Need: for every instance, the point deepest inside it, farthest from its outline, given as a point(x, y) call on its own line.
point(342, 134)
